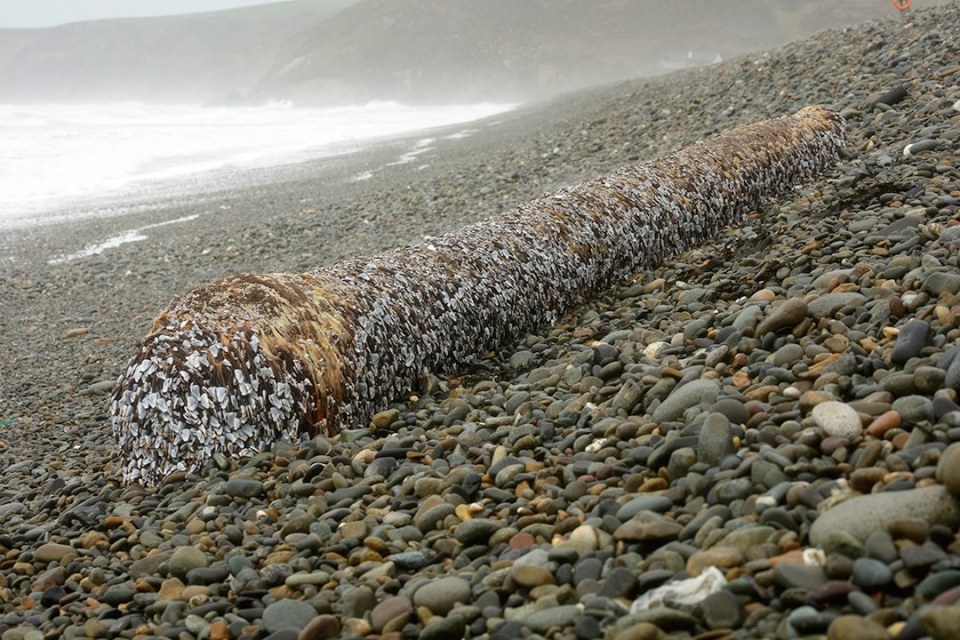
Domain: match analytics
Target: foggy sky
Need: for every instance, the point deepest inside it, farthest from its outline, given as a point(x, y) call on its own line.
point(47, 13)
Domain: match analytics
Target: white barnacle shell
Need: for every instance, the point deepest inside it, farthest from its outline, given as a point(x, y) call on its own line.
point(192, 360)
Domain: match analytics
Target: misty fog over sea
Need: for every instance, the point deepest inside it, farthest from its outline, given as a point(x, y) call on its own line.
point(66, 159)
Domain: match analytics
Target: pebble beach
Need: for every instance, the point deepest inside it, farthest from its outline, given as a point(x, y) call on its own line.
point(758, 439)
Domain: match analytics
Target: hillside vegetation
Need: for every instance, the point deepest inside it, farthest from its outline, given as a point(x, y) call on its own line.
point(349, 51)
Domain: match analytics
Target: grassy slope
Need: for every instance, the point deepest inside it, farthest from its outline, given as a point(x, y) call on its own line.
point(327, 51)
point(187, 58)
point(423, 50)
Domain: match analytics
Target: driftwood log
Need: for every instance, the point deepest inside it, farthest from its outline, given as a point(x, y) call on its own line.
point(239, 364)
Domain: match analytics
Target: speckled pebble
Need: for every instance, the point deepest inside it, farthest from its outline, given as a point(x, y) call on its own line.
point(862, 515)
point(837, 419)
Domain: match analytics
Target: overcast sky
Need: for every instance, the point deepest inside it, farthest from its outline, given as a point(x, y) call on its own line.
point(46, 13)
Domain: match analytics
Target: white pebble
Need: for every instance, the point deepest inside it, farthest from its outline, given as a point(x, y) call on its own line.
point(837, 419)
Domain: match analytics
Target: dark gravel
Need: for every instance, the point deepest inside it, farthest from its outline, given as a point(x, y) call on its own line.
point(760, 434)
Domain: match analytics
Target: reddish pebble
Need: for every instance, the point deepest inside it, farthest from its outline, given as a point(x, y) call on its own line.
point(831, 443)
point(834, 590)
point(883, 423)
point(219, 630)
point(520, 541)
point(949, 597)
point(790, 557)
point(896, 307)
point(900, 440)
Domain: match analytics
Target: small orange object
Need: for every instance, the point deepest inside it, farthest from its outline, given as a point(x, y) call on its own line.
point(902, 5)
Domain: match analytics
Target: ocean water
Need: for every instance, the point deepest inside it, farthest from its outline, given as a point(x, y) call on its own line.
point(59, 161)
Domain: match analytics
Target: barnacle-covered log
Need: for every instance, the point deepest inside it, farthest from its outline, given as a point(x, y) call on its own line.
point(237, 365)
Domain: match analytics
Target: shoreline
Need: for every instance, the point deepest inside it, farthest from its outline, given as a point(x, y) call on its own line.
point(152, 202)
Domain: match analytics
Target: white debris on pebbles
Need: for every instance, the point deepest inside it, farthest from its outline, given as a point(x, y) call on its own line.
point(244, 362)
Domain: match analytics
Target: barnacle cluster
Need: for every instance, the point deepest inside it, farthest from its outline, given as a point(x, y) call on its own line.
point(241, 363)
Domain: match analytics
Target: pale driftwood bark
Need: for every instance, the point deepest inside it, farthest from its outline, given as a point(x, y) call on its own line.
point(241, 363)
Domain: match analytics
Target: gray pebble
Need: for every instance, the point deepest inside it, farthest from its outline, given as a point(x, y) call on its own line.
point(185, 559)
point(788, 313)
point(440, 596)
point(722, 610)
point(914, 409)
point(948, 469)
point(870, 574)
point(287, 613)
point(684, 397)
point(790, 575)
point(560, 616)
point(862, 515)
point(243, 487)
point(912, 339)
point(716, 439)
point(940, 282)
point(826, 305)
point(648, 502)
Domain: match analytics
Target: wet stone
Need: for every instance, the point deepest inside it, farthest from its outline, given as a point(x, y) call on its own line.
point(393, 612)
point(587, 569)
point(619, 583)
point(431, 517)
point(322, 627)
point(728, 491)
point(921, 556)
point(647, 526)
point(860, 516)
point(684, 397)
point(529, 576)
point(913, 529)
point(716, 439)
point(52, 552)
point(879, 545)
point(287, 613)
point(948, 469)
point(243, 487)
point(561, 616)
point(789, 575)
point(746, 537)
point(788, 354)
point(914, 409)
point(789, 313)
point(185, 559)
point(587, 628)
point(358, 601)
point(808, 620)
point(649, 502)
point(476, 531)
point(734, 410)
point(722, 610)
point(852, 627)
point(870, 574)
point(453, 627)
point(441, 595)
point(912, 339)
point(828, 305)
point(940, 282)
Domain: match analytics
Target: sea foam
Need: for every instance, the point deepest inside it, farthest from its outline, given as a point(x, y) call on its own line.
point(58, 155)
